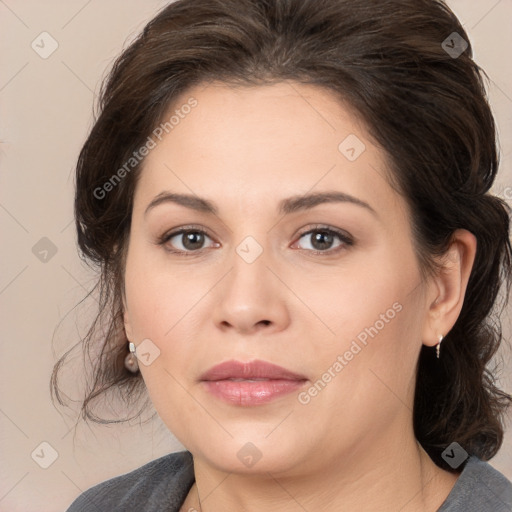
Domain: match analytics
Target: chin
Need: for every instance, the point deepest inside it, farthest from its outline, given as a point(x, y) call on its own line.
point(250, 454)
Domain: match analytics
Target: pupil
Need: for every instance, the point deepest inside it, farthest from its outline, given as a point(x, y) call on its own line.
point(320, 237)
point(189, 240)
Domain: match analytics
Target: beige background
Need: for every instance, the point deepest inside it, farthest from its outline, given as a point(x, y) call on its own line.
point(46, 112)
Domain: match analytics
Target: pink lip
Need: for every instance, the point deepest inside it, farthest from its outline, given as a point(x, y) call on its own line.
point(257, 382)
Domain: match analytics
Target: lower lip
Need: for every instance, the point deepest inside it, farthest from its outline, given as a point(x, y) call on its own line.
point(247, 393)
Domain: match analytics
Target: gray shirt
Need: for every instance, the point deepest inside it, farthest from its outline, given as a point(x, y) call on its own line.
point(163, 484)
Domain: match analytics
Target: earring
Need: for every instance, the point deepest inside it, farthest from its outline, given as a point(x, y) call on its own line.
point(130, 361)
point(438, 346)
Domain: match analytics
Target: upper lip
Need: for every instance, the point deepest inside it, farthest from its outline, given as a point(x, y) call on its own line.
point(256, 369)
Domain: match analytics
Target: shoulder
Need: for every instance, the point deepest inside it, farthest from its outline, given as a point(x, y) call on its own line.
point(161, 482)
point(479, 487)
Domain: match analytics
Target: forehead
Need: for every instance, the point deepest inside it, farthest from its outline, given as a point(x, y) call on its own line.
point(243, 144)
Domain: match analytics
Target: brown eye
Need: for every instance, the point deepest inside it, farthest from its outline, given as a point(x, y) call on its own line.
point(322, 240)
point(192, 240)
point(184, 241)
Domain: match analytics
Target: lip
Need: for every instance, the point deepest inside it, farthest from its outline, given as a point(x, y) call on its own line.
point(252, 383)
point(256, 369)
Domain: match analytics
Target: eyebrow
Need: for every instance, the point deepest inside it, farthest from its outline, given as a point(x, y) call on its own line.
point(286, 206)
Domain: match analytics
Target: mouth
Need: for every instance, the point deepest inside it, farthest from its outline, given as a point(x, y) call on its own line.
point(253, 383)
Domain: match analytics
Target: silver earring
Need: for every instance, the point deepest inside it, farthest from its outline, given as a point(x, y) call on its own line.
point(438, 346)
point(130, 361)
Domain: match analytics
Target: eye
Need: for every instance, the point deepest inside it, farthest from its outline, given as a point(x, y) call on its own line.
point(323, 239)
point(190, 239)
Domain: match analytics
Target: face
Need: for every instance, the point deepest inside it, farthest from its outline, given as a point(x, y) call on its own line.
point(328, 290)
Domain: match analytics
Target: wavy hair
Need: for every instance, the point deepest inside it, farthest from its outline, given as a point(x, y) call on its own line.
point(424, 106)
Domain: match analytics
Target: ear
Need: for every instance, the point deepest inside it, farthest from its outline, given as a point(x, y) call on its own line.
point(127, 323)
point(448, 287)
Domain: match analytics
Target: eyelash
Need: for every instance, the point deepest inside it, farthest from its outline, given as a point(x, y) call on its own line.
point(346, 240)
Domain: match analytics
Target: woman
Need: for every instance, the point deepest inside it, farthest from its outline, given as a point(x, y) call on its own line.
point(288, 202)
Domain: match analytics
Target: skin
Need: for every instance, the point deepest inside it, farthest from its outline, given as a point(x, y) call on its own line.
point(352, 446)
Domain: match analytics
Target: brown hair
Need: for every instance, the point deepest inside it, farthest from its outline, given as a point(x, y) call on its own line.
point(425, 107)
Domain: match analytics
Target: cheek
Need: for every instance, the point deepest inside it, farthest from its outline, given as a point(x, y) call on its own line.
point(156, 299)
point(371, 368)
point(158, 312)
point(161, 304)
point(357, 301)
point(375, 314)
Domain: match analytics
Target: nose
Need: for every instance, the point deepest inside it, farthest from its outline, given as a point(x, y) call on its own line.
point(251, 298)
